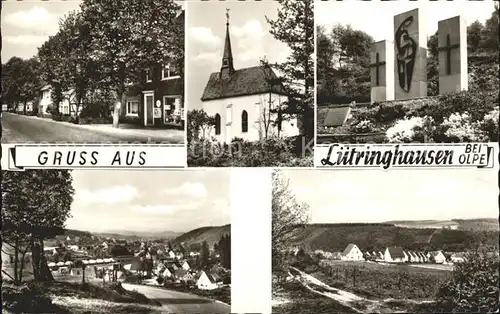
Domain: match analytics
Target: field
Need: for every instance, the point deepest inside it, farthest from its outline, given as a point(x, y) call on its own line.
point(373, 280)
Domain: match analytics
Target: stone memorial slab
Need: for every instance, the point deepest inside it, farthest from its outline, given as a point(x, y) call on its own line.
point(337, 116)
point(452, 43)
point(382, 71)
point(410, 51)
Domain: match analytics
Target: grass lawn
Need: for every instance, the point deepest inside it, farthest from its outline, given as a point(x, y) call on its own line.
point(374, 280)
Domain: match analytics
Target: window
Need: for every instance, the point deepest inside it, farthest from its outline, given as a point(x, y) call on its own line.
point(133, 108)
point(244, 121)
point(217, 124)
point(149, 76)
point(169, 72)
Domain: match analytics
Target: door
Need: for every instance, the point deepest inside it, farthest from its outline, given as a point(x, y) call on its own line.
point(148, 109)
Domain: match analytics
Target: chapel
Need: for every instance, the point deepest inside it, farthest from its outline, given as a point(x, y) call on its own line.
point(244, 101)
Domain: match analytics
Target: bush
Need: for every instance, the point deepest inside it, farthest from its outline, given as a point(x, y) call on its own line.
point(99, 120)
point(478, 110)
point(474, 287)
point(29, 298)
point(267, 152)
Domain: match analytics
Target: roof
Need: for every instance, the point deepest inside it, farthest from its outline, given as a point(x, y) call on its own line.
point(337, 116)
point(348, 249)
point(214, 278)
point(181, 272)
point(242, 82)
point(396, 252)
point(435, 253)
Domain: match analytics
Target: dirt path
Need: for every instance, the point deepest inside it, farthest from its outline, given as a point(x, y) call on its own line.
point(351, 300)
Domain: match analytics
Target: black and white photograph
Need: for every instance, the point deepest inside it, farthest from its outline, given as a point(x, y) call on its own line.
point(250, 83)
point(407, 71)
point(98, 241)
point(93, 72)
point(372, 242)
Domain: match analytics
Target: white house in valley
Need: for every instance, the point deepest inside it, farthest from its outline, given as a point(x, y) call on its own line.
point(167, 273)
point(436, 257)
point(457, 258)
point(394, 254)
point(186, 266)
point(241, 100)
point(208, 281)
point(352, 253)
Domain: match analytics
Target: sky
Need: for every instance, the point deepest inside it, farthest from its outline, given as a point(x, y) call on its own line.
point(378, 196)
point(376, 17)
point(145, 200)
point(26, 25)
point(205, 35)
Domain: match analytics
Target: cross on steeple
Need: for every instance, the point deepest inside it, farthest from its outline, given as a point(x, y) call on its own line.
point(448, 49)
point(227, 56)
point(377, 64)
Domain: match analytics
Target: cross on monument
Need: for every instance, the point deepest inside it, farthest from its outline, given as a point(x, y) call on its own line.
point(448, 49)
point(377, 64)
point(227, 16)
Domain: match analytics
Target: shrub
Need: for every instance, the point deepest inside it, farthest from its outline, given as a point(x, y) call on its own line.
point(29, 298)
point(474, 287)
point(240, 153)
point(410, 130)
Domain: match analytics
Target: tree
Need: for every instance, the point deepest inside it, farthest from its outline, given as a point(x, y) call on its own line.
point(36, 204)
point(224, 248)
point(343, 65)
point(119, 250)
point(123, 41)
point(181, 249)
point(433, 65)
point(20, 81)
point(474, 286)
point(199, 124)
point(79, 264)
point(205, 254)
point(289, 218)
point(294, 26)
point(474, 36)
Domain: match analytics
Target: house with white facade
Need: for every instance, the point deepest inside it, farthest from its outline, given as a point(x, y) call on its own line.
point(457, 258)
point(244, 101)
point(436, 257)
point(394, 254)
point(352, 253)
point(186, 266)
point(208, 281)
point(65, 107)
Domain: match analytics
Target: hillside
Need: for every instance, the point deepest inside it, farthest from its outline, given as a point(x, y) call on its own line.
point(197, 236)
point(137, 235)
point(335, 237)
point(481, 224)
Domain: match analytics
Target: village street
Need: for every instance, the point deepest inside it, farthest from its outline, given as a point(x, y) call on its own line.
point(178, 302)
point(27, 129)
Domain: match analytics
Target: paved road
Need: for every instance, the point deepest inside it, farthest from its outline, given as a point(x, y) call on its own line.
point(25, 129)
point(178, 302)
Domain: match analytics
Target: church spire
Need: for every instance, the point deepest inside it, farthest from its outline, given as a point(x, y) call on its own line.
point(227, 58)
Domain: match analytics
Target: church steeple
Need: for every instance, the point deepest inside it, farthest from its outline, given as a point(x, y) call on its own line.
point(227, 57)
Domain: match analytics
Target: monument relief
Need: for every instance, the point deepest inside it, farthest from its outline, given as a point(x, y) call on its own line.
point(406, 53)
